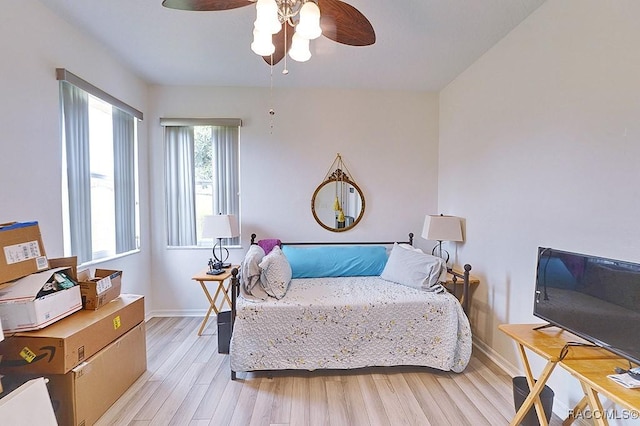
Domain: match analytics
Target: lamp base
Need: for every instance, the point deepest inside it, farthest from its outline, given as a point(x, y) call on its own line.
point(440, 252)
point(215, 268)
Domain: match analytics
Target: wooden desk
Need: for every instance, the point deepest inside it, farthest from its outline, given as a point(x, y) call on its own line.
point(590, 365)
point(203, 278)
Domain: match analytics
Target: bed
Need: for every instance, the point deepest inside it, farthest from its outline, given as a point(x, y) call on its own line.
point(346, 306)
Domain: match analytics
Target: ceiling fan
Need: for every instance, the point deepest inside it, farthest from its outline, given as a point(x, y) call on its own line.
point(339, 21)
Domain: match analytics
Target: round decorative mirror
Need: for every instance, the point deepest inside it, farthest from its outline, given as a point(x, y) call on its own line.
point(338, 203)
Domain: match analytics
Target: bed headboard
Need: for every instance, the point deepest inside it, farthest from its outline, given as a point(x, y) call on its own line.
point(410, 242)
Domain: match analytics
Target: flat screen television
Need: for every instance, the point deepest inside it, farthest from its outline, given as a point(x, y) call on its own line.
point(593, 297)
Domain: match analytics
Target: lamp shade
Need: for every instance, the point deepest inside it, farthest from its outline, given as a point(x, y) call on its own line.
point(262, 43)
point(220, 226)
point(267, 16)
point(442, 228)
point(309, 25)
point(299, 48)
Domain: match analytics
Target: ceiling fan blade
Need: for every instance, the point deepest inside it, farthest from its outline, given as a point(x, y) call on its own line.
point(205, 5)
point(344, 24)
point(278, 42)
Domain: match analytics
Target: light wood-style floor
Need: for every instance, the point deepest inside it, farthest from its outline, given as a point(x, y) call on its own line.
point(187, 383)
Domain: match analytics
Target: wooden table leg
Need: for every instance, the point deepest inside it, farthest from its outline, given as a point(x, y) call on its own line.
point(225, 296)
point(212, 307)
point(531, 382)
point(534, 393)
point(597, 412)
point(580, 406)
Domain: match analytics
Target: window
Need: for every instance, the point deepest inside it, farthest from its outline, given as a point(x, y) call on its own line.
point(100, 177)
point(201, 176)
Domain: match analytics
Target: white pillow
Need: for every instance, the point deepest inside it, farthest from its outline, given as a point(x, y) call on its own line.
point(414, 268)
point(276, 273)
point(250, 274)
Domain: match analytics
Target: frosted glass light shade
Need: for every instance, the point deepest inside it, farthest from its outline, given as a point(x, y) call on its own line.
point(267, 17)
point(262, 43)
point(299, 48)
point(309, 24)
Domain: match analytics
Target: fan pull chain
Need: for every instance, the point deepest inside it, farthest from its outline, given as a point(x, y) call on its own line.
point(272, 113)
point(285, 71)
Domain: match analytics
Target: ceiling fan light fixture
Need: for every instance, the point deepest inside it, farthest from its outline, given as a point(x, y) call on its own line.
point(299, 48)
point(267, 16)
point(339, 21)
point(262, 43)
point(309, 24)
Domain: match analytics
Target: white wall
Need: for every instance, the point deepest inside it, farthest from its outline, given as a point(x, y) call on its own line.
point(544, 131)
point(388, 141)
point(34, 42)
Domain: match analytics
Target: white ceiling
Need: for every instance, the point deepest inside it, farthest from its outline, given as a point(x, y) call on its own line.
point(420, 44)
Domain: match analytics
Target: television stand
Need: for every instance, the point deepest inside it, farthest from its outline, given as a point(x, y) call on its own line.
point(543, 326)
point(590, 365)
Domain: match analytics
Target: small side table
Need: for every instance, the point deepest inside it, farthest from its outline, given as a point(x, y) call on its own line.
point(455, 286)
point(590, 365)
point(203, 278)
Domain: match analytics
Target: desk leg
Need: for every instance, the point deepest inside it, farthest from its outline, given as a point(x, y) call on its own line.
point(531, 382)
point(534, 393)
point(580, 406)
point(596, 406)
point(212, 307)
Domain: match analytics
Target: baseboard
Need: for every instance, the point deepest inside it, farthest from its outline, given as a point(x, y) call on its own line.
point(177, 313)
point(496, 358)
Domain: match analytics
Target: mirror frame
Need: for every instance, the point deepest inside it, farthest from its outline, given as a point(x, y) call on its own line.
point(334, 178)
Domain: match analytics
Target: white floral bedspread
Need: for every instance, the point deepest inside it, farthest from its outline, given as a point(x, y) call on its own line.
point(350, 322)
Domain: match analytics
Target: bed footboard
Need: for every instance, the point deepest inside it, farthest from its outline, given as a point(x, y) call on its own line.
point(465, 285)
point(235, 291)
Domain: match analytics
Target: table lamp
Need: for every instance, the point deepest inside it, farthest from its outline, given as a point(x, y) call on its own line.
point(442, 228)
point(219, 226)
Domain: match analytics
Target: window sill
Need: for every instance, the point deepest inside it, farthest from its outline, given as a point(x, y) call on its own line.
point(108, 259)
point(209, 248)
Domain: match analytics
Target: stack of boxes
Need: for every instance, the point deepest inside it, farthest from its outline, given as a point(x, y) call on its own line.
point(87, 339)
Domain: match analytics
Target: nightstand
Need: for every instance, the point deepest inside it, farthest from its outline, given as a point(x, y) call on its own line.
point(203, 278)
point(454, 284)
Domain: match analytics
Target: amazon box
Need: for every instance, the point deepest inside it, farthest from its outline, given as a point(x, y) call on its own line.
point(21, 250)
point(85, 393)
point(99, 287)
point(30, 303)
point(65, 344)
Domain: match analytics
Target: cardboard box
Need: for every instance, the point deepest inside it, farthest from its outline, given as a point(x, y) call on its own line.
point(84, 394)
point(21, 250)
point(29, 404)
point(63, 345)
point(67, 262)
point(99, 287)
point(22, 310)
